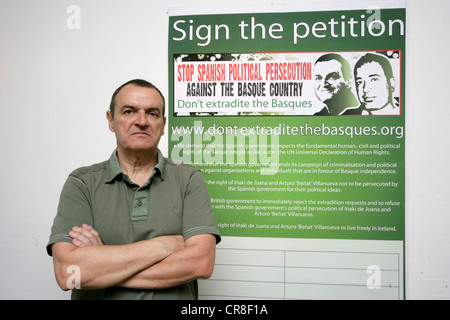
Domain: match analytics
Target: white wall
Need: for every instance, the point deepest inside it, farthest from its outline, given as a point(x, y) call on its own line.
point(55, 86)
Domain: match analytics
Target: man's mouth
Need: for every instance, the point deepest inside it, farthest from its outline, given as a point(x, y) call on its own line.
point(140, 133)
point(328, 89)
point(368, 99)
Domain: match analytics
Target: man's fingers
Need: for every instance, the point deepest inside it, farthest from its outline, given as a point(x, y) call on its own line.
point(92, 234)
point(77, 243)
point(85, 236)
point(78, 239)
point(90, 229)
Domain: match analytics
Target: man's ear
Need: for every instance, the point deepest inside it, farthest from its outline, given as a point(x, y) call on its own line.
point(110, 121)
point(392, 84)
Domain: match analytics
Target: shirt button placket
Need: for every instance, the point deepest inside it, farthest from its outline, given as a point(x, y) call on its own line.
point(139, 212)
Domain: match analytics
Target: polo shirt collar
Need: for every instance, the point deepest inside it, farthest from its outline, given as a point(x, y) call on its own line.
point(160, 165)
point(115, 170)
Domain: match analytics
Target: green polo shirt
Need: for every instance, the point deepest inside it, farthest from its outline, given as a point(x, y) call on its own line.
point(174, 201)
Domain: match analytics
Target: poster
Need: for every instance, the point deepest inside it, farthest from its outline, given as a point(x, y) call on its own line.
point(297, 120)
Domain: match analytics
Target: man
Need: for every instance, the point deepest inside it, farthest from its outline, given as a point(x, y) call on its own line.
point(137, 226)
point(375, 84)
point(332, 76)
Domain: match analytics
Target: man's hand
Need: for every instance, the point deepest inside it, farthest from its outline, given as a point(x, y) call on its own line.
point(196, 256)
point(104, 266)
point(85, 236)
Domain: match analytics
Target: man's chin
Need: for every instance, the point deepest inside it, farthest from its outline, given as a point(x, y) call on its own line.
point(140, 148)
point(373, 106)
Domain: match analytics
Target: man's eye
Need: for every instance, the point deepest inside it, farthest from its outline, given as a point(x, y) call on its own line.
point(334, 76)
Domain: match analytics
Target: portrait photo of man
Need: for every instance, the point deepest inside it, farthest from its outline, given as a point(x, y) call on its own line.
point(333, 80)
point(375, 85)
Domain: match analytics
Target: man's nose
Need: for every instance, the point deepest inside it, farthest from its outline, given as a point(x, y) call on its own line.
point(141, 119)
point(327, 84)
point(320, 83)
point(365, 87)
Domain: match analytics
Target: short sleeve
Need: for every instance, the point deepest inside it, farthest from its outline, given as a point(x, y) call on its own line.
point(74, 209)
point(198, 217)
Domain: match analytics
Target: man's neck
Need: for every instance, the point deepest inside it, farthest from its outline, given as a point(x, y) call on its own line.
point(138, 166)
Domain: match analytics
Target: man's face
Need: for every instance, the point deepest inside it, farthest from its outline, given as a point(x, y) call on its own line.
point(372, 86)
point(328, 79)
point(138, 119)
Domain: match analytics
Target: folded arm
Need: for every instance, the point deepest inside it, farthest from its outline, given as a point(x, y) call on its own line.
point(103, 266)
point(156, 263)
point(194, 261)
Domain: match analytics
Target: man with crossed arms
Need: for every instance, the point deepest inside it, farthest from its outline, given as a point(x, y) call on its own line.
point(137, 226)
